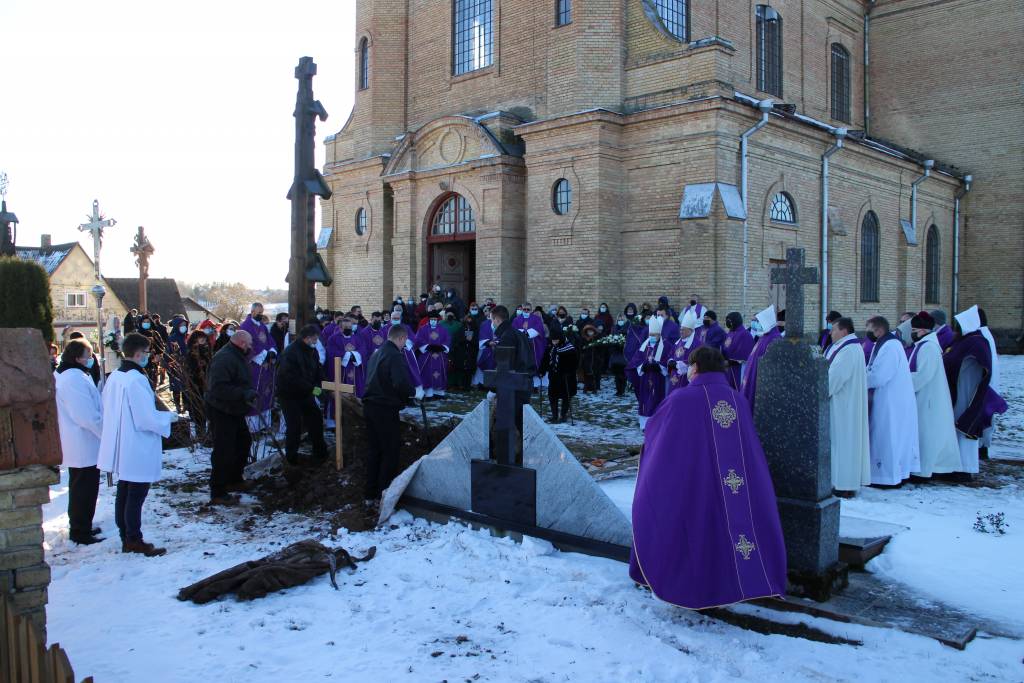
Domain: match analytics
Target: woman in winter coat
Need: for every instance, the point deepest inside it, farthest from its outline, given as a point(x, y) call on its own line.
point(176, 357)
point(617, 357)
point(563, 363)
point(227, 330)
point(198, 354)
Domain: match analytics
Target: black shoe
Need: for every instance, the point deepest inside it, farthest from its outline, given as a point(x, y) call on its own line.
point(96, 531)
point(87, 539)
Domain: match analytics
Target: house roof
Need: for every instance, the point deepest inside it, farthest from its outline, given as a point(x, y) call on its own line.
point(49, 258)
point(193, 305)
point(161, 293)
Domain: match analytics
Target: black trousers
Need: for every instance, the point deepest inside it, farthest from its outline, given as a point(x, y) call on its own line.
point(231, 443)
point(83, 488)
point(384, 429)
point(619, 371)
point(128, 509)
point(302, 413)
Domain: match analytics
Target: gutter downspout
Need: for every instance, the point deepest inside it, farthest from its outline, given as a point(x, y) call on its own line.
point(928, 165)
point(840, 134)
point(956, 240)
point(866, 95)
point(765, 106)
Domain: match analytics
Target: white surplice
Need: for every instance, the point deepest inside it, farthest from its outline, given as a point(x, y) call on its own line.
point(986, 437)
point(893, 415)
point(936, 433)
point(848, 415)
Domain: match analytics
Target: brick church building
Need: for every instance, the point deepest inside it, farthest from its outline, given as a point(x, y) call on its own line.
point(586, 151)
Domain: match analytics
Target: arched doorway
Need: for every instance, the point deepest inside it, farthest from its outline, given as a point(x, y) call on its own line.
point(451, 240)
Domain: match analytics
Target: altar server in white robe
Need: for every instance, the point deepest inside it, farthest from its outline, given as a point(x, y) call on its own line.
point(892, 408)
point(986, 437)
point(848, 410)
point(936, 433)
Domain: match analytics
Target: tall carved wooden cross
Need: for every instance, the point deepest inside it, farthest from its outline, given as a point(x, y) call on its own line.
point(794, 275)
point(337, 388)
point(142, 249)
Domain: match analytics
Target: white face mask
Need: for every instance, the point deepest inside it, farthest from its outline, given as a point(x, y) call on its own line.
point(183, 329)
point(231, 333)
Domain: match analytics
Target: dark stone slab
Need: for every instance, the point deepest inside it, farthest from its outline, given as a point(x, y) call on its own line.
point(504, 492)
point(857, 552)
point(811, 530)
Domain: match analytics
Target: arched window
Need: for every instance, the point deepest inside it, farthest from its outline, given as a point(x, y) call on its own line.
point(454, 216)
point(670, 16)
point(870, 256)
point(783, 210)
point(769, 50)
point(563, 12)
point(931, 267)
point(561, 196)
point(472, 35)
point(361, 222)
point(840, 83)
point(364, 64)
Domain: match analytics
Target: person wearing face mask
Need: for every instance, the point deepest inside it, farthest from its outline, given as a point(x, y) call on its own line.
point(224, 333)
point(696, 306)
point(943, 332)
point(156, 345)
point(407, 350)
point(892, 408)
point(670, 328)
point(131, 441)
point(280, 334)
point(679, 359)
point(330, 328)
point(433, 345)
point(463, 355)
point(80, 420)
point(230, 394)
point(736, 348)
point(374, 335)
point(175, 358)
point(604, 317)
point(767, 322)
point(710, 332)
point(298, 386)
point(704, 498)
point(617, 357)
point(532, 326)
point(663, 304)
point(825, 336)
point(562, 366)
point(485, 343)
point(350, 347)
point(262, 355)
point(94, 367)
point(636, 331)
point(848, 410)
point(198, 356)
point(936, 433)
point(648, 369)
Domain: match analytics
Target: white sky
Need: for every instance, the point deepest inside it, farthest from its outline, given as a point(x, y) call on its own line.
point(176, 116)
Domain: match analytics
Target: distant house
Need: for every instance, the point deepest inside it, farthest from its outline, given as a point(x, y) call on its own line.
point(162, 295)
point(197, 312)
point(72, 277)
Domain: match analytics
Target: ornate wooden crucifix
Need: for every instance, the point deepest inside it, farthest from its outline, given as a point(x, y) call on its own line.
point(337, 388)
point(142, 249)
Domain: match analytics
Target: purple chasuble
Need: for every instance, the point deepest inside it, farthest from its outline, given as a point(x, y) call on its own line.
point(433, 362)
point(329, 329)
point(649, 387)
point(986, 402)
point(868, 347)
point(410, 358)
point(749, 384)
point(373, 339)
point(945, 335)
point(706, 530)
point(636, 333)
point(712, 335)
point(262, 375)
point(337, 347)
point(670, 331)
point(681, 355)
point(485, 355)
point(533, 322)
point(736, 348)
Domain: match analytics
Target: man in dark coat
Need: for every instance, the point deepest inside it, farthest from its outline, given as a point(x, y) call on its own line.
point(229, 396)
point(564, 361)
point(388, 389)
point(523, 359)
point(298, 385)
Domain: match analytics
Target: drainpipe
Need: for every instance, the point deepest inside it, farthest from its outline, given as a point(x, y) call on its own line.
point(765, 106)
point(956, 241)
point(840, 134)
point(866, 95)
point(928, 165)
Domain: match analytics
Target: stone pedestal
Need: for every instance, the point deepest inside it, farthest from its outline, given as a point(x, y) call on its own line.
point(791, 414)
point(24, 575)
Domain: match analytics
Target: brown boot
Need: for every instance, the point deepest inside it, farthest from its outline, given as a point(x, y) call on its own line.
point(142, 548)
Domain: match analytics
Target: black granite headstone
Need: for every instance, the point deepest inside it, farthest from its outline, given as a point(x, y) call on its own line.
point(791, 414)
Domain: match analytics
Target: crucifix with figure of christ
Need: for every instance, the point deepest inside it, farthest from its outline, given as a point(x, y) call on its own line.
point(97, 221)
point(794, 275)
point(337, 388)
point(142, 249)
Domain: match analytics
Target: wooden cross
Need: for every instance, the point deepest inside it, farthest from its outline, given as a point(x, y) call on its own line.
point(794, 275)
point(142, 249)
point(338, 388)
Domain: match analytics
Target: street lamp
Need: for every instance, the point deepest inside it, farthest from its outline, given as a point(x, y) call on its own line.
point(99, 292)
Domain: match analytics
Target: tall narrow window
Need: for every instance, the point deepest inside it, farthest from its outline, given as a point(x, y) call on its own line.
point(472, 35)
point(364, 64)
point(840, 83)
point(563, 12)
point(870, 241)
point(931, 267)
point(670, 16)
point(454, 216)
point(769, 50)
point(361, 222)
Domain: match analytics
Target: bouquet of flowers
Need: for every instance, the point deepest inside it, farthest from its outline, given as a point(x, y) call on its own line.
point(110, 340)
point(610, 340)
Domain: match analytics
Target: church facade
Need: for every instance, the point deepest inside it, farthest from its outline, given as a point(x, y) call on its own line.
point(577, 152)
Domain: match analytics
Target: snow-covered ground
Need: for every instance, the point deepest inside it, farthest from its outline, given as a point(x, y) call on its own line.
point(442, 602)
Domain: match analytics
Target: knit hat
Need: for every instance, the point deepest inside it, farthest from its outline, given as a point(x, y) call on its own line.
point(923, 321)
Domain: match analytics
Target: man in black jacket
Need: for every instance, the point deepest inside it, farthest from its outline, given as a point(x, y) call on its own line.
point(298, 385)
point(388, 389)
point(523, 359)
point(229, 395)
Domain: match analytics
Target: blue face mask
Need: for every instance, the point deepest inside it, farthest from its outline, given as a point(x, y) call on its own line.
point(146, 326)
point(828, 326)
point(756, 327)
point(144, 362)
point(433, 323)
point(89, 363)
point(474, 311)
point(622, 323)
point(654, 341)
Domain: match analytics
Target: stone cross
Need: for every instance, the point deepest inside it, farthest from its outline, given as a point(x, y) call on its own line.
point(338, 388)
point(142, 249)
point(506, 382)
point(794, 275)
point(97, 221)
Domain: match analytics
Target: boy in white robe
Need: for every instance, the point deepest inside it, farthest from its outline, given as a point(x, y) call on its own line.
point(936, 433)
point(848, 410)
point(892, 412)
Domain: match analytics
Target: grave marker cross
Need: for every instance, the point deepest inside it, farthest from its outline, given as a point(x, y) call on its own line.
point(506, 382)
point(794, 275)
point(143, 249)
point(97, 222)
point(338, 388)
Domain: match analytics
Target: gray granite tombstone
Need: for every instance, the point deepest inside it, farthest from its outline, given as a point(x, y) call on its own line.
point(791, 414)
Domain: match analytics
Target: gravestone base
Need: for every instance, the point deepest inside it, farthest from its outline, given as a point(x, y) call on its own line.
point(819, 586)
point(814, 567)
point(504, 492)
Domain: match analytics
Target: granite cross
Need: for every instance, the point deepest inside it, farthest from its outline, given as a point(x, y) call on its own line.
point(142, 249)
point(97, 222)
point(794, 275)
point(506, 383)
point(338, 388)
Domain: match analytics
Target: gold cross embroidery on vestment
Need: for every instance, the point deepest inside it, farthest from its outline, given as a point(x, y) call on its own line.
point(733, 481)
point(745, 547)
point(724, 414)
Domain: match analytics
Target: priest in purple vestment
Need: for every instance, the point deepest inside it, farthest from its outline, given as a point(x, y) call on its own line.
point(433, 344)
point(768, 322)
point(689, 341)
point(648, 369)
point(943, 332)
point(411, 363)
point(374, 335)
point(710, 333)
point(350, 346)
point(261, 367)
point(532, 325)
point(706, 530)
point(485, 351)
point(736, 348)
point(669, 327)
point(636, 331)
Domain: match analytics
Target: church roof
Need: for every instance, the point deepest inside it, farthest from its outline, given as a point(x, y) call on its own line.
point(49, 258)
point(161, 293)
